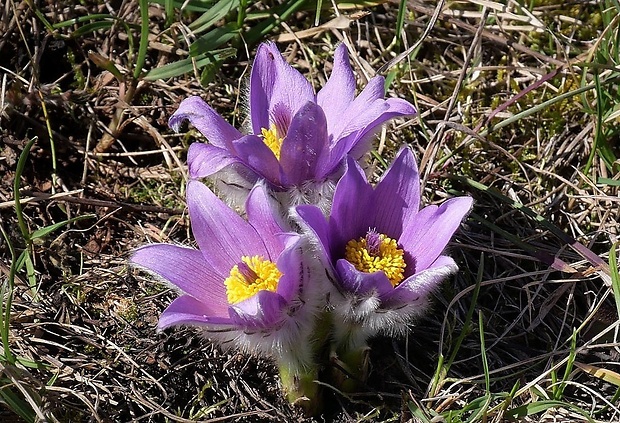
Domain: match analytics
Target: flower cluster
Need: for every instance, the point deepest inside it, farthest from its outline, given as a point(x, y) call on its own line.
point(320, 259)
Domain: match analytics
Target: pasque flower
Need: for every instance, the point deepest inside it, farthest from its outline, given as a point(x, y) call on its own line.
point(385, 253)
point(297, 139)
point(246, 278)
point(384, 256)
point(249, 284)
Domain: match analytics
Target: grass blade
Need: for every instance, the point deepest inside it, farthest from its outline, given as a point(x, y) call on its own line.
point(213, 39)
point(21, 164)
point(80, 19)
point(15, 403)
point(217, 12)
point(608, 376)
point(518, 413)
point(400, 19)
point(585, 252)
point(91, 27)
point(40, 233)
point(187, 65)
point(608, 181)
point(615, 276)
point(276, 15)
point(443, 369)
point(144, 38)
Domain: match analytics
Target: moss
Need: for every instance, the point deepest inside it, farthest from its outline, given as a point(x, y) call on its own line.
point(127, 310)
point(153, 191)
point(79, 80)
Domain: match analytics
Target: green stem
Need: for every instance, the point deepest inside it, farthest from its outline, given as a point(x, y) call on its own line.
point(301, 388)
point(350, 368)
point(349, 356)
point(299, 372)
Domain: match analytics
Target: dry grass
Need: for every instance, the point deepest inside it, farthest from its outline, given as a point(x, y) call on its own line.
point(527, 329)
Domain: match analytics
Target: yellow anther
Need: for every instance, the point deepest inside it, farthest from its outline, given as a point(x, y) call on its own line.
point(272, 140)
point(256, 275)
point(386, 257)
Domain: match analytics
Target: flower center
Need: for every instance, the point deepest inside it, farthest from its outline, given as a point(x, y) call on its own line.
point(273, 141)
point(249, 276)
point(377, 252)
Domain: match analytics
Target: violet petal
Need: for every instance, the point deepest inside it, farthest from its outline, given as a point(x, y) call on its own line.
point(275, 86)
point(393, 108)
point(339, 90)
point(266, 220)
point(352, 280)
point(261, 311)
point(312, 218)
point(416, 288)
point(352, 208)
point(262, 80)
point(304, 145)
point(187, 310)
point(252, 151)
point(222, 235)
point(204, 160)
point(428, 233)
point(356, 136)
point(291, 90)
point(295, 272)
point(359, 108)
point(187, 269)
point(398, 194)
point(217, 131)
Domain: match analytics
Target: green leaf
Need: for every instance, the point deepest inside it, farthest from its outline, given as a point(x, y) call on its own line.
point(93, 17)
point(106, 64)
point(42, 18)
point(483, 352)
point(31, 275)
point(171, 70)
point(282, 12)
point(400, 20)
point(212, 40)
point(169, 9)
point(187, 65)
point(91, 27)
point(30, 364)
point(189, 6)
point(608, 181)
point(21, 260)
point(317, 16)
point(144, 38)
point(418, 413)
point(40, 233)
point(21, 164)
point(209, 71)
point(536, 407)
point(15, 403)
point(213, 15)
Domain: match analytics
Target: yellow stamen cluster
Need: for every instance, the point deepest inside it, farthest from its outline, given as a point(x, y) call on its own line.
point(265, 277)
point(389, 258)
point(272, 140)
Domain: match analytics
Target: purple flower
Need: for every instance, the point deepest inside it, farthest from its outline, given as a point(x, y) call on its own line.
point(297, 138)
point(385, 253)
point(247, 281)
